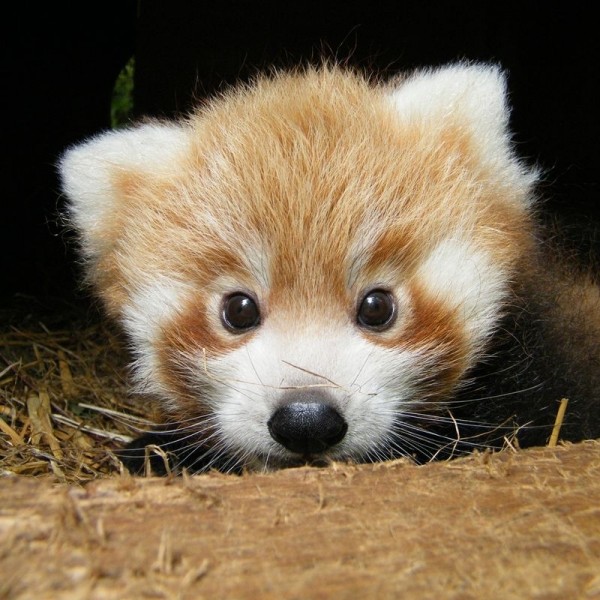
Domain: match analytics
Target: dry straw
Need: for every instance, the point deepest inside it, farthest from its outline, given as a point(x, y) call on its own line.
point(63, 401)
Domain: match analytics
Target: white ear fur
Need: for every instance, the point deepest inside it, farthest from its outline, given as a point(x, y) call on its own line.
point(88, 170)
point(474, 96)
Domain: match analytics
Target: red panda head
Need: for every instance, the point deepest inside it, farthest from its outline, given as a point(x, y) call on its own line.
point(305, 260)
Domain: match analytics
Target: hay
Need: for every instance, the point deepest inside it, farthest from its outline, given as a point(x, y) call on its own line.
point(64, 404)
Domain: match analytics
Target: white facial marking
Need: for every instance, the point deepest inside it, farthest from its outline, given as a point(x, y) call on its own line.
point(465, 278)
point(368, 385)
point(152, 305)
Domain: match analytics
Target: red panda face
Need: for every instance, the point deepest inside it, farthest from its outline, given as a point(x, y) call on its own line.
point(305, 262)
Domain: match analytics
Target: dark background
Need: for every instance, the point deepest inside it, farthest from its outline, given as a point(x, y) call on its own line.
point(61, 64)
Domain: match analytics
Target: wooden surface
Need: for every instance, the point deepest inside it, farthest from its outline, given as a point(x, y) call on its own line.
point(511, 525)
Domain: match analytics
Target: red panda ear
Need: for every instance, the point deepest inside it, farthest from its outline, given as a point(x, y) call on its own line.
point(472, 98)
point(89, 173)
point(474, 93)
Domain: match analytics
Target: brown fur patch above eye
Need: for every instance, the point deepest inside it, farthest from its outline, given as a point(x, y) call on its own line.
point(393, 249)
point(214, 261)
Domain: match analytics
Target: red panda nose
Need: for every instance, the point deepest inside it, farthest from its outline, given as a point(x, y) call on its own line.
point(307, 427)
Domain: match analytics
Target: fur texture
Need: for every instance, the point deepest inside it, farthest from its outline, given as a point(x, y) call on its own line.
point(313, 198)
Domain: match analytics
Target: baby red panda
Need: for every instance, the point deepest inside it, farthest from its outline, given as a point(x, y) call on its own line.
point(315, 267)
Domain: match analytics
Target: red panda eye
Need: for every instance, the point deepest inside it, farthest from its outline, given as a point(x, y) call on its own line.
point(240, 312)
point(377, 310)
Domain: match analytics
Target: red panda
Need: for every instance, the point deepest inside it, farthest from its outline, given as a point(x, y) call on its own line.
point(315, 267)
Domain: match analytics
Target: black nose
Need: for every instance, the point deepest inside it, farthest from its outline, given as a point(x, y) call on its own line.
point(307, 427)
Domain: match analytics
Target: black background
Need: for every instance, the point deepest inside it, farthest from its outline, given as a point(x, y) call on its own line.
point(61, 64)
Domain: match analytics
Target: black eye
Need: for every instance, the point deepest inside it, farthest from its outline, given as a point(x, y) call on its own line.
point(377, 310)
point(240, 312)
